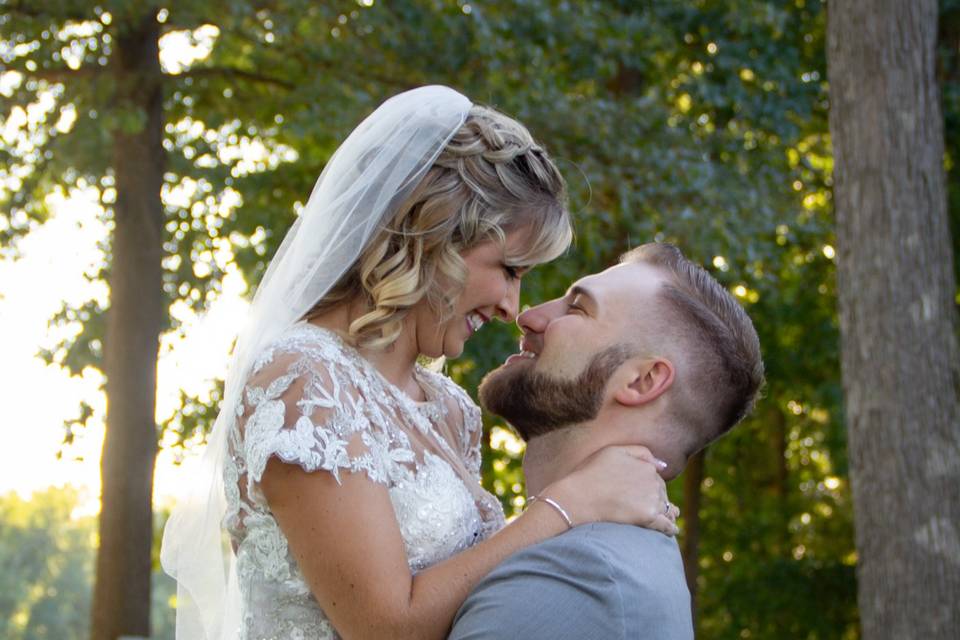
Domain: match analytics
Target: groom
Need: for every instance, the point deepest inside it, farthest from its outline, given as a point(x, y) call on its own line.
point(654, 352)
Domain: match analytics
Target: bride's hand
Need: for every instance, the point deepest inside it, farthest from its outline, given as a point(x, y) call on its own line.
point(617, 484)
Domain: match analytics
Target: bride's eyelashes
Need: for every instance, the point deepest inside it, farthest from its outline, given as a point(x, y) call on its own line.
point(516, 273)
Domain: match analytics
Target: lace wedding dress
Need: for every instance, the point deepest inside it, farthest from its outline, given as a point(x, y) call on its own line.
point(313, 401)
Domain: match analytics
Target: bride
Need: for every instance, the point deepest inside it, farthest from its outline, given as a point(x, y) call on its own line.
point(345, 475)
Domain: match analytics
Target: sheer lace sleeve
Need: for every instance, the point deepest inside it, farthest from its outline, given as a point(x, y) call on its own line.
point(465, 420)
point(306, 408)
point(472, 430)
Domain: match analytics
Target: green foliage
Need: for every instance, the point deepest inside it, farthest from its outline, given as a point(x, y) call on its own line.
point(948, 67)
point(46, 566)
point(702, 123)
point(712, 135)
point(46, 569)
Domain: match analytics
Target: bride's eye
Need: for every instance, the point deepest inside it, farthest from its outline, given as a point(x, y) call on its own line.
point(512, 272)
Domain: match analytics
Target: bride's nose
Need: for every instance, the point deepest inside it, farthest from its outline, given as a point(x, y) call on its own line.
point(509, 305)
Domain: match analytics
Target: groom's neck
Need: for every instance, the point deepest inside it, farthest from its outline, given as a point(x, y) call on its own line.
point(554, 455)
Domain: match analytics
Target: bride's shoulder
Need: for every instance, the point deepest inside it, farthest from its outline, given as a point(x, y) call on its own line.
point(304, 351)
point(305, 340)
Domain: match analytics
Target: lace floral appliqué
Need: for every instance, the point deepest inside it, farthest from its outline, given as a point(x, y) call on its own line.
point(314, 402)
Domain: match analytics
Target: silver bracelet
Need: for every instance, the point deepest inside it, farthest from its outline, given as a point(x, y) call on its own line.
point(553, 503)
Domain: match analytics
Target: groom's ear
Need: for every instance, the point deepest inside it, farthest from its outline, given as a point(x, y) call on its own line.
point(649, 379)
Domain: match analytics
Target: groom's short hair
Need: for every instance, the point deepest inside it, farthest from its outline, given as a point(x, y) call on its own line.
point(721, 372)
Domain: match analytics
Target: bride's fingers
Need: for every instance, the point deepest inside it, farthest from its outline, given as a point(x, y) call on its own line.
point(641, 452)
point(663, 524)
point(674, 512)
point(669, 511)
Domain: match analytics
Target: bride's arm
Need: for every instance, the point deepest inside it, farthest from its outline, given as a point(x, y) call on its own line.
point(347, 542)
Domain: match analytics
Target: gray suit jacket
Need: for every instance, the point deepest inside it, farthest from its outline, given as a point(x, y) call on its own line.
point(604, 581)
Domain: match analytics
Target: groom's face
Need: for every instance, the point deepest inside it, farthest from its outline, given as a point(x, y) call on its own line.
point(571, 347)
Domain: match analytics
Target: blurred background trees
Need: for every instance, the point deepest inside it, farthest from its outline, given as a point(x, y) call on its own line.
point(46, 562)
point(701, 123)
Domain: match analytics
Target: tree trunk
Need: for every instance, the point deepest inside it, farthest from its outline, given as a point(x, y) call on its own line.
point(121, 601)
point(901, 366)
point(692, 492)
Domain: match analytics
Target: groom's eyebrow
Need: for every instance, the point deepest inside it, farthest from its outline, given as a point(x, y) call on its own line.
point(583, 292)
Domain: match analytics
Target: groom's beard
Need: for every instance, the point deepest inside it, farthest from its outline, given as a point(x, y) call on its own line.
point(536, 403)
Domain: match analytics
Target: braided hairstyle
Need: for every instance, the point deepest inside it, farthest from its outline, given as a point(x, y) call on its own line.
point(492, 178)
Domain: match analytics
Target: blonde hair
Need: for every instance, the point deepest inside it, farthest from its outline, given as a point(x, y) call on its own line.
point(490, 179)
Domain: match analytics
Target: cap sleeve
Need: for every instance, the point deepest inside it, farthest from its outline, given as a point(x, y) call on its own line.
point(305, 409)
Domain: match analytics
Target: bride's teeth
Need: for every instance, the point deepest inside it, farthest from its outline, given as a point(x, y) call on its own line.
point(475, 321)
point(528, 354)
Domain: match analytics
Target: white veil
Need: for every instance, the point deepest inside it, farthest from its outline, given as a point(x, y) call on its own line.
point(377, 166)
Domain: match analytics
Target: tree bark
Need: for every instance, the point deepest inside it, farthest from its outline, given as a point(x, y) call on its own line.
point(692, 492)
point(121, 601)
point(900, 360)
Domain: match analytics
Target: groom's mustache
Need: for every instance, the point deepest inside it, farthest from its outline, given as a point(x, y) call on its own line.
point(532, 342)
point(536, 403)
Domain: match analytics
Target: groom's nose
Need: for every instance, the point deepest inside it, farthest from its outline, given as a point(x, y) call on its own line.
point(536, 319)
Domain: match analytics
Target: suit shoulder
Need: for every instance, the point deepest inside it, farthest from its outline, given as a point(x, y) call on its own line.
point(531, 594)
point(640, 571)
point(618, 544)
point(617, 579)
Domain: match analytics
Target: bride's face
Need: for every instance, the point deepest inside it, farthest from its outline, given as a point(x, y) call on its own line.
point(491, 290)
